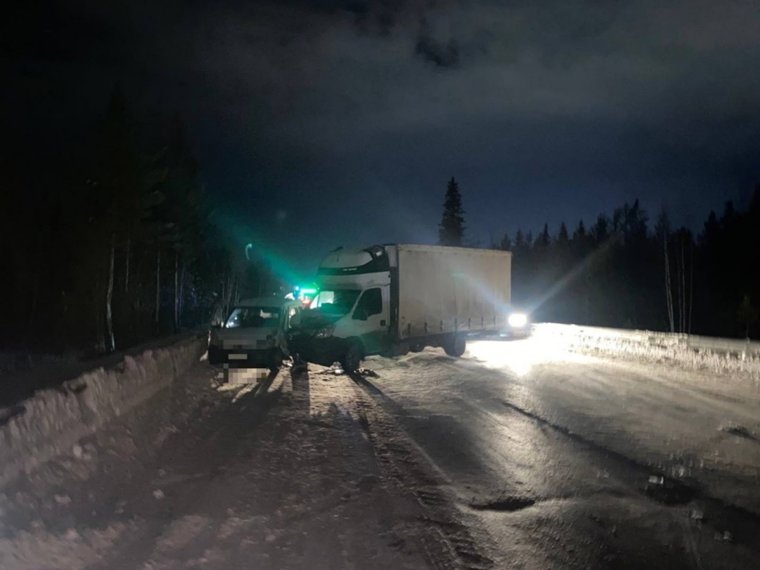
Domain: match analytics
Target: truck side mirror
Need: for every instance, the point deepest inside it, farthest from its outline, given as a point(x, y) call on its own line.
point(360, 314)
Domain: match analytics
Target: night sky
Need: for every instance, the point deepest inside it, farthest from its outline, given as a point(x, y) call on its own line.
point(327, 122)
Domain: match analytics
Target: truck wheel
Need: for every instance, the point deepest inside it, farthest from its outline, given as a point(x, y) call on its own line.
point(352, 359)
point(417, 347)
point(455, 346)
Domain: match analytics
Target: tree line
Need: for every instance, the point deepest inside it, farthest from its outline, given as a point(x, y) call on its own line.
point(109, 242)
point(629, 272)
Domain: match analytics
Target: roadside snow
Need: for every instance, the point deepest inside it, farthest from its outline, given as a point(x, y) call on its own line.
point(284, 472)
point(53, 420)
point(724, 356)
point(42, 549)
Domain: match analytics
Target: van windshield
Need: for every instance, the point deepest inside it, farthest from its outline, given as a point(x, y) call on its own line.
point(253, 317)
point(336, 302)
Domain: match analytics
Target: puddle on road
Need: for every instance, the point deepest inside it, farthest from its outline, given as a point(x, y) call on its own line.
point(669, 491)
point(505, 504)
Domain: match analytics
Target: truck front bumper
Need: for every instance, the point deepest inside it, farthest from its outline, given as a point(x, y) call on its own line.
point(322, 351)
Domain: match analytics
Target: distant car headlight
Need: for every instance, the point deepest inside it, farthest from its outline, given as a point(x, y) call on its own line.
point(517, 320)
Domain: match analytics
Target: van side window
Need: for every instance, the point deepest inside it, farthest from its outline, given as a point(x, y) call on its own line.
point(371, 303)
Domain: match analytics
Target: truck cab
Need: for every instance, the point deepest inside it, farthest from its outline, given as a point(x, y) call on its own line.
point(351, 314)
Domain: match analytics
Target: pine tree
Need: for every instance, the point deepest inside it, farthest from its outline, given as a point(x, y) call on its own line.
point(562, 236)
point(544, 239)
point(519, 245)
point(747, 314)
point(601, 230)
point(579, 235)
point(451, 230)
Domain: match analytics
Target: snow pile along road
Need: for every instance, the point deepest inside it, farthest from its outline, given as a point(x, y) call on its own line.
point(696, 352)
point(302, 469)
point(52, 420)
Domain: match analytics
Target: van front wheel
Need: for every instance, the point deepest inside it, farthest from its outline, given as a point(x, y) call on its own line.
point(352, 359)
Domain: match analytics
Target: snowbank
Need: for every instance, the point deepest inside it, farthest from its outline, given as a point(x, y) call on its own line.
point(697, 352)
point(51, 421)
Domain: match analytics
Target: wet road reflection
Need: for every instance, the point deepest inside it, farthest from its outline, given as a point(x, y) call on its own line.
point(556, 451)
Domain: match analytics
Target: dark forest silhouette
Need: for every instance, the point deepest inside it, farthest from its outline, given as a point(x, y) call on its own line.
point(109, 242)
point(623, 271)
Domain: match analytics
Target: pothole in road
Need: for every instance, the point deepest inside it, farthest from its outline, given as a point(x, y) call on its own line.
point(505, 504)
point(669, 491)
point(658, 487)
point(739, 431)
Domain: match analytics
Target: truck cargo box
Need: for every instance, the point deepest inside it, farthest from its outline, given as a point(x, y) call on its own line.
point(451, 289)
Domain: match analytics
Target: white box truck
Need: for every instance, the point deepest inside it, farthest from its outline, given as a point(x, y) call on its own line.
point(396, 298)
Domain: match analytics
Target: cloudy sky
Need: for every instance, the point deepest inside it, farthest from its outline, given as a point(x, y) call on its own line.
point(337, 122)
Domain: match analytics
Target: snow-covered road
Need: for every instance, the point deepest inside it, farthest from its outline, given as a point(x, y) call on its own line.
point(301, 470)
point(517, 455)
point(579, 461)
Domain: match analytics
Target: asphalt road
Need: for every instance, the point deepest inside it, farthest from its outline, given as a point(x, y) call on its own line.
point(573, 461)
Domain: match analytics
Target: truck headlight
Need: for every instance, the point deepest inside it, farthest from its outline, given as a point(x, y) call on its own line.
point(517, 320)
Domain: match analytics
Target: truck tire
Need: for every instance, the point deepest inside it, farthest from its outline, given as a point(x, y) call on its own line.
point(455, 345)
point(352, 358)
point(417, 347)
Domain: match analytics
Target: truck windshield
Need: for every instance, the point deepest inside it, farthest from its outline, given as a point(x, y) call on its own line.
point(253, 317)
point(337, 302)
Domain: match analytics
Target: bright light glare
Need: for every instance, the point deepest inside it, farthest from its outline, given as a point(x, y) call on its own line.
point(522, 356)
point(517, 320)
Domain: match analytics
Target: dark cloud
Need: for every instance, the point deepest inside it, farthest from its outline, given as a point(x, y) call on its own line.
point(440, 54)
point(358, 111)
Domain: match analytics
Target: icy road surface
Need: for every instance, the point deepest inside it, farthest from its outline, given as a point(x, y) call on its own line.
point(573, 461)
point(515, 456)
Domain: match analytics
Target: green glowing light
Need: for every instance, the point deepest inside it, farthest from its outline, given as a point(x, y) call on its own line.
point(257, 247)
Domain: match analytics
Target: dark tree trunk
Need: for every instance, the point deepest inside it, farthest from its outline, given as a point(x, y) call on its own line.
point(127, 254)
point(158, 289)
point(97, 308)
point(176, 291)
point(181, 291)
point(683, 289)
point(668, 284)
point(109, 297)
point(691, 286)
